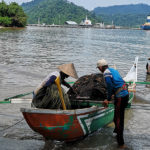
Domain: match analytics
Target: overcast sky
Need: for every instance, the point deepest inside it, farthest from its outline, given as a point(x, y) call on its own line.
point(91, 4)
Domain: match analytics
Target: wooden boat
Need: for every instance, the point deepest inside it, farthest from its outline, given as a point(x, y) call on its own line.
point(70, 125)
point(67, 125)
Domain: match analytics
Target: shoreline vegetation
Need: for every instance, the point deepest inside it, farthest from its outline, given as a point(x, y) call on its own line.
point(12, 15)
point(16, 16)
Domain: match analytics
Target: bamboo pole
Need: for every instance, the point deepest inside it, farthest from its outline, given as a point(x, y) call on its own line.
point(57, 81)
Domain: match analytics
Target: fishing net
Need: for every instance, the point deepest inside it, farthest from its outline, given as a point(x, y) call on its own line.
point(48, 97)
point(91, 86)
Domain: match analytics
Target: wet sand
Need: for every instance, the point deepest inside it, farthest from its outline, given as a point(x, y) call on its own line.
point(15, 134)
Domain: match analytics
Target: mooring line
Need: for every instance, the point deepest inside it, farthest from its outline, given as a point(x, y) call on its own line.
point(12, 125)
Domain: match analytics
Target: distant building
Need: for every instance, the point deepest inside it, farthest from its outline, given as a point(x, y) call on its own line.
point(112, 26)
point(86, 22)
point(71, 23)
point(99, 25)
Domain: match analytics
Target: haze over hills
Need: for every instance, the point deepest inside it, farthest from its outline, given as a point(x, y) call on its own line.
point(123, 9)
point(124, 15)
point(56, 11)
point(59, 11)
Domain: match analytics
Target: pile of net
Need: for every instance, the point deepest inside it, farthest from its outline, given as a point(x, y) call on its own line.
point(48, 98)
point(91, 86)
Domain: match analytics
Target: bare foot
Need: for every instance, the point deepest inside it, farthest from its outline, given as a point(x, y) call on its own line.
point(123, 147)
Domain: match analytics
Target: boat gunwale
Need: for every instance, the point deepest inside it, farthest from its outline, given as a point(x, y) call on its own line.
point(65, 112)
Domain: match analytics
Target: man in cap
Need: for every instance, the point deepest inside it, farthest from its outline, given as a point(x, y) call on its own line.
point(115, 87)
point(39, 93)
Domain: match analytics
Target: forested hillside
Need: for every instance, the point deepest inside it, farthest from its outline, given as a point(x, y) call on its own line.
point(56, 11)
point(124, 15)
point(123, 9)
point(59, 11)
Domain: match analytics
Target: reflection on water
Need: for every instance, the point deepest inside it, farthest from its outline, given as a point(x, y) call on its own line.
point(28, 55)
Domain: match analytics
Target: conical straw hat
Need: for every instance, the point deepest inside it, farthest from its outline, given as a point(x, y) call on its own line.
point(69, 69)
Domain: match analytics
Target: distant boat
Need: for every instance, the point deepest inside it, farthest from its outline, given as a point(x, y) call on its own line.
point(146, 25)
point(86, 22)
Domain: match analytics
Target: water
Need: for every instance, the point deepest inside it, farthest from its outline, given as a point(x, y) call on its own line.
point(28, 55)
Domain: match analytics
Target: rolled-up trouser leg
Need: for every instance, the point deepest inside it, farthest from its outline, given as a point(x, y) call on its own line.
point(120, 105)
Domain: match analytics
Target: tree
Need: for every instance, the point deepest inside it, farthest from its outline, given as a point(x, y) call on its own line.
point(5, 21)
point(3, 9)
point(17, 14)
point(12, 15)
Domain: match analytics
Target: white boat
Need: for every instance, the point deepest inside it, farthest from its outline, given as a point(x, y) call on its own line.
point(86, 22)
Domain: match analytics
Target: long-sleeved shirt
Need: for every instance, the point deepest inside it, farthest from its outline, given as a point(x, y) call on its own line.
point(50, 79)
point(113, 82)
point(47, 81)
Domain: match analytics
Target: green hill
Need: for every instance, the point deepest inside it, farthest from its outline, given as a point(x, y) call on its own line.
point(56, 11)
point(123, 9)
point(124, 15)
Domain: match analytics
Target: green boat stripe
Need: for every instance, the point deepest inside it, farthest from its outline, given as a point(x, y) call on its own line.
point(86, 121)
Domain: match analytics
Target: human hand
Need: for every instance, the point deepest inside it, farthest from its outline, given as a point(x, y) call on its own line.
point(72, 90)
point(112, 97)
point(105, 103)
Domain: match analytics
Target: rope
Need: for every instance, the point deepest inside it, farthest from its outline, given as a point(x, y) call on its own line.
point(12, 125)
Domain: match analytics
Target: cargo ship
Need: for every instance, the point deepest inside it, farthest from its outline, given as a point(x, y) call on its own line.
point(146, 25)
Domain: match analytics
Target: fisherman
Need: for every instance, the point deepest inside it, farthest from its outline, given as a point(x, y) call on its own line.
point(116, 88)
point(46, 95)
point(148, 66)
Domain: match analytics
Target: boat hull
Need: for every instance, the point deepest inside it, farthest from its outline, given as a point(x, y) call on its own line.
point(68, 125)
point(145, 27)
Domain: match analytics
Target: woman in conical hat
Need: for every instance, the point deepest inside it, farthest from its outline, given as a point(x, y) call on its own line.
point(66, 70)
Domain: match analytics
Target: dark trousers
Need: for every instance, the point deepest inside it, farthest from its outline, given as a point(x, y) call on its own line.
point(120, 105)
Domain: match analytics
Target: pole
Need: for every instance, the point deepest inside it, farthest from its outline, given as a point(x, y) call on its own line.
point(57, 81)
